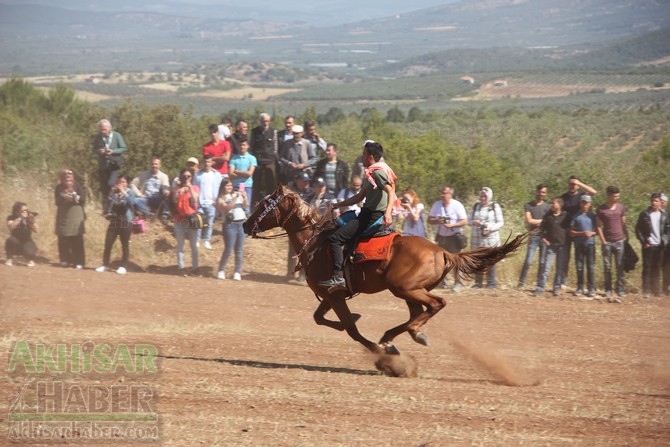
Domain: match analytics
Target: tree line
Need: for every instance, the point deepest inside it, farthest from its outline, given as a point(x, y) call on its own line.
point(42, 131)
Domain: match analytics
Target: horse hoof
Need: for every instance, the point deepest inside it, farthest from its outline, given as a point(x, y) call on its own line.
point(421, 338)
point(390, 349)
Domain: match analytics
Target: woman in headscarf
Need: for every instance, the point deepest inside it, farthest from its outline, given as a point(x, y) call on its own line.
point(486, 220)
point(70, 217)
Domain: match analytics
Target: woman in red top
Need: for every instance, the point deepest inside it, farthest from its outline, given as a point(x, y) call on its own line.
point(185, 197)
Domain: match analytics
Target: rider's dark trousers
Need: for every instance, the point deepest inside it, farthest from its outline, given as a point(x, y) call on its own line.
point(351, 230)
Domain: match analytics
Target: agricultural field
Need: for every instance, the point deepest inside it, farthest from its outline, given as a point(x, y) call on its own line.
point(249, 88)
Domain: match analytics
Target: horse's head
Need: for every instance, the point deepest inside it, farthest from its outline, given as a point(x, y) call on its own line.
point(273, 211)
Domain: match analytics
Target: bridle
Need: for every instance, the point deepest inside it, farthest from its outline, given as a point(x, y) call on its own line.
point(270, 206)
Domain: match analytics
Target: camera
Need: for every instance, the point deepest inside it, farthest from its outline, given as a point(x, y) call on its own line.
point(445, 219)
point(33, 214)
point(404, 200)
point(484, 230)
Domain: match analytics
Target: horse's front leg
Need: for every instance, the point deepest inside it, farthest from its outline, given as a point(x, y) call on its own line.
point(348, 320)
point(321, 320)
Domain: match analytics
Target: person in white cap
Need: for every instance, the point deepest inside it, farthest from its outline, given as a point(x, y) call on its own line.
point(486, 220)
point(191, 163)
point(296, 156)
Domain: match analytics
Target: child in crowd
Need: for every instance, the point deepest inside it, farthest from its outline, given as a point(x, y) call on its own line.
point(583, 231)
point(553, 229)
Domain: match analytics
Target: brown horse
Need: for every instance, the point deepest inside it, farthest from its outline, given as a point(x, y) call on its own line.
point(415, 266)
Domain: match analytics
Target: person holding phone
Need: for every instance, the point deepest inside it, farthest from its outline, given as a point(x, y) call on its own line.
point(185, 196)
point(231, 205)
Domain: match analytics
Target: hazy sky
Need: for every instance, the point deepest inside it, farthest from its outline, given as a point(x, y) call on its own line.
point(321, 13)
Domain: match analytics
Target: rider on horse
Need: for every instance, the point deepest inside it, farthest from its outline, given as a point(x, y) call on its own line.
point(379, 193)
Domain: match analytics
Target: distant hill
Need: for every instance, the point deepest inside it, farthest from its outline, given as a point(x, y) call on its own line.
point(40, 39)
point(649, 49)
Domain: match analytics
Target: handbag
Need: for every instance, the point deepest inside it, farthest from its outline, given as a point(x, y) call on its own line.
point(196, 222)
point(630, 258)
point(139, 225)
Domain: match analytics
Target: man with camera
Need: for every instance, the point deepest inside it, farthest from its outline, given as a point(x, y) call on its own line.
point(449, 217)
point(21, 224)
point(108, 146)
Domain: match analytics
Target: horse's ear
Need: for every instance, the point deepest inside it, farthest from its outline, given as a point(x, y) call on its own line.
point(280, 189)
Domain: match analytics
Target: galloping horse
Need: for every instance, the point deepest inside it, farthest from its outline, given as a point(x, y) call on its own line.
point(414, 267)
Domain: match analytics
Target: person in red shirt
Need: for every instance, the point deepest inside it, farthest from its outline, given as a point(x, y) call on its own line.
point(219, 150)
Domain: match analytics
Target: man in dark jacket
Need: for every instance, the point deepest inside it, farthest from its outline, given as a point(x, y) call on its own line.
point(264, 146)
point(335, 172)
point(651, 232)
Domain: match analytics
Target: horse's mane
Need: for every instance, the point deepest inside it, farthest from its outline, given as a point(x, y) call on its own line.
point(303, 210)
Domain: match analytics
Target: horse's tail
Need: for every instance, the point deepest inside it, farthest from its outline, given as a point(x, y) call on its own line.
point(481, 260)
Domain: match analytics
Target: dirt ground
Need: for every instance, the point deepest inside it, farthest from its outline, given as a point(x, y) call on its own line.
point(243, 364)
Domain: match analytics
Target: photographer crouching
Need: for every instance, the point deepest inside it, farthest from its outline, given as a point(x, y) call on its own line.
point(22, 225)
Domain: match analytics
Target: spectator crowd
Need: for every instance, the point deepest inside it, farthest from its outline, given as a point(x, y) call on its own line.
point(239, 167)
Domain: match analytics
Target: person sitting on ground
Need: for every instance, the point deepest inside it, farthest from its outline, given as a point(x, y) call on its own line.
point(152, 190)
point(21, 224)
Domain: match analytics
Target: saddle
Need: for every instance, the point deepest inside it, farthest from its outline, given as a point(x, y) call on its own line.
point(376, 248)
point(373, 244)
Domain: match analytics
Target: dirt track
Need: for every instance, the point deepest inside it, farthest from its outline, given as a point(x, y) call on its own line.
point(242, 363)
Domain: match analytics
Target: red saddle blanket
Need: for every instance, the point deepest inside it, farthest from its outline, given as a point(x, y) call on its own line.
point(374, 249)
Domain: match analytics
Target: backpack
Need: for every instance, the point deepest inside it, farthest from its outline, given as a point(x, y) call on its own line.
point(492, 208)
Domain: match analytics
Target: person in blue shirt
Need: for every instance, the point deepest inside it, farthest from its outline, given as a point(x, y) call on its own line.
point(241, 169)
point(583, 232)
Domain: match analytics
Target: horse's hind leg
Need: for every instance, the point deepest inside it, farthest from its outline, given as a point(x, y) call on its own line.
point(416, 300)
point(320, 319)
point(339, 305)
